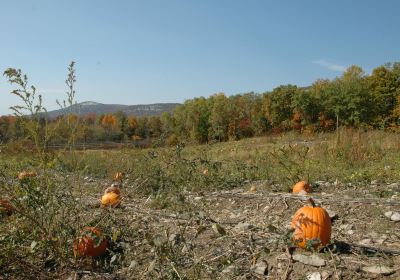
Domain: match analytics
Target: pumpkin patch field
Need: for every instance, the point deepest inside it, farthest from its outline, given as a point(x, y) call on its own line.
point(277, 207)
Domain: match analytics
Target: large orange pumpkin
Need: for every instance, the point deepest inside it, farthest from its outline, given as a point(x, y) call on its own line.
point(110, 199)
point(312, 226)
point(302, 186)
point(91, 244)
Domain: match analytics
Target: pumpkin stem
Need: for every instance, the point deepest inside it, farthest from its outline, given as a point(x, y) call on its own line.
point(312, 202)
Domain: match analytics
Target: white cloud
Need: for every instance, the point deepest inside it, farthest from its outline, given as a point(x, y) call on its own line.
point(330, 66)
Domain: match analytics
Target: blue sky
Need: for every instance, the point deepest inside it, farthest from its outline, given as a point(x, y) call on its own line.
point(135, 52)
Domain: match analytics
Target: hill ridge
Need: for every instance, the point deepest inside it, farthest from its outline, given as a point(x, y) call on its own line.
point(139, 110)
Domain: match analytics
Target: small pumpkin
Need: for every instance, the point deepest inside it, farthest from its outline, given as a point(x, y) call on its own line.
point(91, 244)
point(26, 174)
point(302, 186)
point(112, 199)
point(253, 189)
point(118, 176)
point(6, 207)
point(312, 226)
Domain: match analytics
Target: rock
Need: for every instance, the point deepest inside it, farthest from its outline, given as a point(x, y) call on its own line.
point(332, 214)
point(375, 182)
point(260, 268)
point(229, 269)
point(241, 227)
point(350, 232)
point(314, 276)
point(365, 241)
point(388, 214)
point(393, 185)
point(395, 217)
point(378, 269)
point(197, 198)
point(313, 260)
point(325, 275)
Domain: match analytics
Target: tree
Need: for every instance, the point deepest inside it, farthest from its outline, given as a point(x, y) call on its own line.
point(306, 107)
point(131, 126)
point(197, 113)
point(154, 127)
point(142, 129)
point(219, 118)
point(351, 99)
point(122, 122)
point(109, 122)
point(384, 85)
point(279, 105)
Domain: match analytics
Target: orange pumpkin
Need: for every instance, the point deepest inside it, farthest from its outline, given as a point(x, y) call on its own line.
point(110, 199)
point(118, 176)
point(312, 226)
point(91, 244)
point(26, 174)
point(6, 207)
point(302, 186)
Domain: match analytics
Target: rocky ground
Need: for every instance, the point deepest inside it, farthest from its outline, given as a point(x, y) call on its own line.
point(243, 234)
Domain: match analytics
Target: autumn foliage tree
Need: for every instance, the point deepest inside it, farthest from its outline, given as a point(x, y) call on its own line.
point(353, 99)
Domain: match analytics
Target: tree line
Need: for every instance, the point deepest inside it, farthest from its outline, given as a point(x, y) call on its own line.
point(353, 99)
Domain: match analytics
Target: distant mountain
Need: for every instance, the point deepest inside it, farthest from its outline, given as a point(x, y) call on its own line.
point(86, 107)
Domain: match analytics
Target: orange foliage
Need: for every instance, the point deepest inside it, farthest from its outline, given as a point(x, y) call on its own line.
point(109, 120)
point(296, 120)
point(325, 123)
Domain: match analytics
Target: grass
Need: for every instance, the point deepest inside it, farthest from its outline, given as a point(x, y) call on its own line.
point(54, 207)
point(359, 157)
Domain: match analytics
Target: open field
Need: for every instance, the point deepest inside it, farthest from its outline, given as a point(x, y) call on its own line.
point(187, 212)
